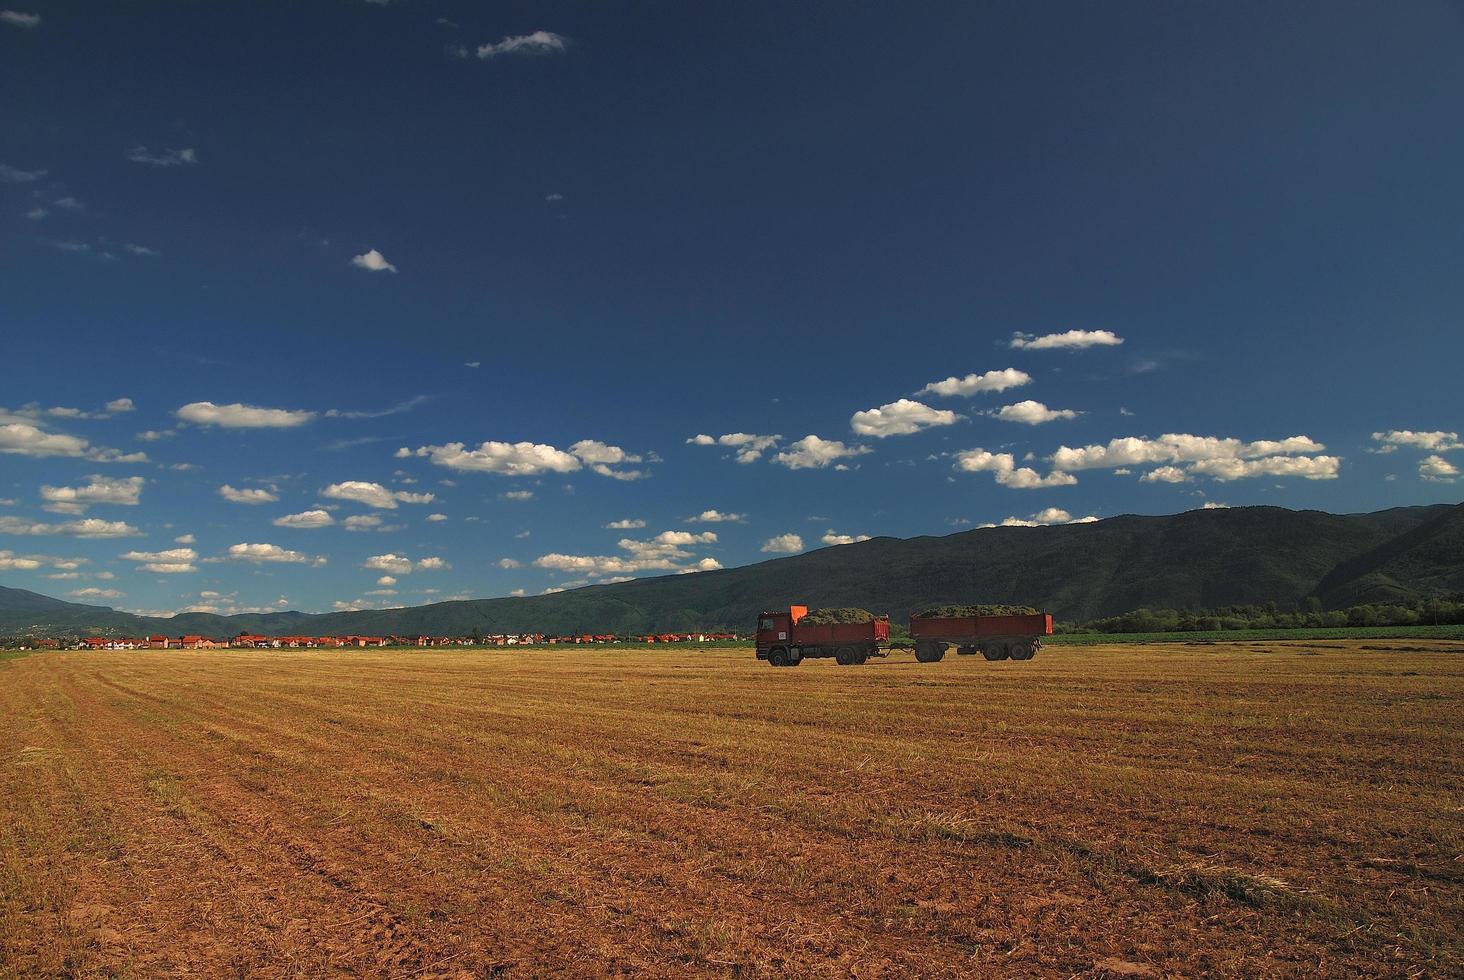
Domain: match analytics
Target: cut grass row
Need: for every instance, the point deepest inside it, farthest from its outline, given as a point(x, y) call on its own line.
point(1232, 636)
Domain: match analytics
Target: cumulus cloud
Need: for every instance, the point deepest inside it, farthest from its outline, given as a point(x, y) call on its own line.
point(89, 527)
point(248, 495)
point(1007, 473)
point(509, 563)
point(95, 593)
point(604, 459)
point(432, 565)
point(1043, 518)
point(237, 416)
point(11, 562)
point(25, 438)
point(785, 544)
point(362, 522)
point(705, 565)
point(1436, 442)
point(834, 537)
point(271, 553)
point(660, 553)
point(174, 561)
point(749, 447)
point(1436, 469)
point(539, 42)
point(811, 452)
point(1070, 340)
point(627, 524)
point(374, 494)
point(506, 458)
point(98, 490)
point(973, 384)
point(372, 261)
point(391, 563)
point(305, 519)
point(1220, 458)
point(185, 157)
point(517, 495)
point(1215, 505)
point(899, 418)
point(713, 517)
point(1032, 413)
point(1165, 474)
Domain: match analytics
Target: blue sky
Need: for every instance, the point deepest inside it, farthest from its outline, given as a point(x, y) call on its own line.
point(376, 303)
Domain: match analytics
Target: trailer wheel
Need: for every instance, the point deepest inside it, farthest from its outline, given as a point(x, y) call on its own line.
point(844, 656)
point(861, 658)
point(778, 657)
point(994, 652)
point(929, 653)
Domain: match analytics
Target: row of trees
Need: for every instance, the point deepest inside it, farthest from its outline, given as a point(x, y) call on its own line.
point(1437, 611)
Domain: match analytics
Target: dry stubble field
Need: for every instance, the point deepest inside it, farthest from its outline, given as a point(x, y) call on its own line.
point(1270, 808)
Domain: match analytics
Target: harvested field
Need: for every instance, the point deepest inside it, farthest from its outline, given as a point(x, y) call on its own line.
point(1277, 808)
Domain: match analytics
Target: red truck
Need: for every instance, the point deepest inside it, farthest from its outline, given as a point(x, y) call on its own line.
point(784, 642)
point(994, 637)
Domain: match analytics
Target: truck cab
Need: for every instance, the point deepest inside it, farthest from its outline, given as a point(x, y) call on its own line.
point(775, 629)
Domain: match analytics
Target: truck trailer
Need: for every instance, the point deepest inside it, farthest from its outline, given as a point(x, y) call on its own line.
point(783, 641)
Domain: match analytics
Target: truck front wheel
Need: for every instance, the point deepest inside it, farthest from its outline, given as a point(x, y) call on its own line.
point(778, 657)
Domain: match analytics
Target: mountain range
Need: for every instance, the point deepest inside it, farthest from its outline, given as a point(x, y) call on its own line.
point(1197, 559)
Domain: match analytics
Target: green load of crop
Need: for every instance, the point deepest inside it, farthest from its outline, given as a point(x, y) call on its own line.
point(963, 612)
point(834, 616)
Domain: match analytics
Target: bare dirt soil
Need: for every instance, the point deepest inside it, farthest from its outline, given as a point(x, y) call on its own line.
point(1269, 808)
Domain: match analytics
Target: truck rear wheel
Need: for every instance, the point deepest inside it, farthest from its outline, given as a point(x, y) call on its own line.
point(1019, 651)
point(994, 652)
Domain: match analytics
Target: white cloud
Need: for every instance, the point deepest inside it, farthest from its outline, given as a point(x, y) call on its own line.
point(1043, 518)
point(507, 458)
point(509, 563)
point(23, 438)
point(749, 446)
point(436, 518)
point(185, 157)
point(834, 537)
point(1070, 340)
point(98, 490)
point(171, 561)
point(789, 544)
point(237, 416)
point(539, 42)
point(811, 452)
point(1436, 469)
point(90, 527)
point(374, 494)
point(1032, 413)
point(372, 261)
point(395, 564)
point(1007, 473)
point(1165, 474)
point(973, 384)
point(1215, 505)
point(628, 524)
point(11, 562)
point(705, 565)
point(305, 519)
point(152, 435)
point(517, 495)
point(248, 495)
point(258, 553)
point(899, 418)
point(473, 364)
point(17, 18)
point(95, 593)
point(713, 517)
point(14, 175)
point(602, 459)
point(1220, 458)
point(119, 405)
point(660, 553)
point(1437, 442)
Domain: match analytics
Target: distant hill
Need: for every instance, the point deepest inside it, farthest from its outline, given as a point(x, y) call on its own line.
point(1198, 559)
